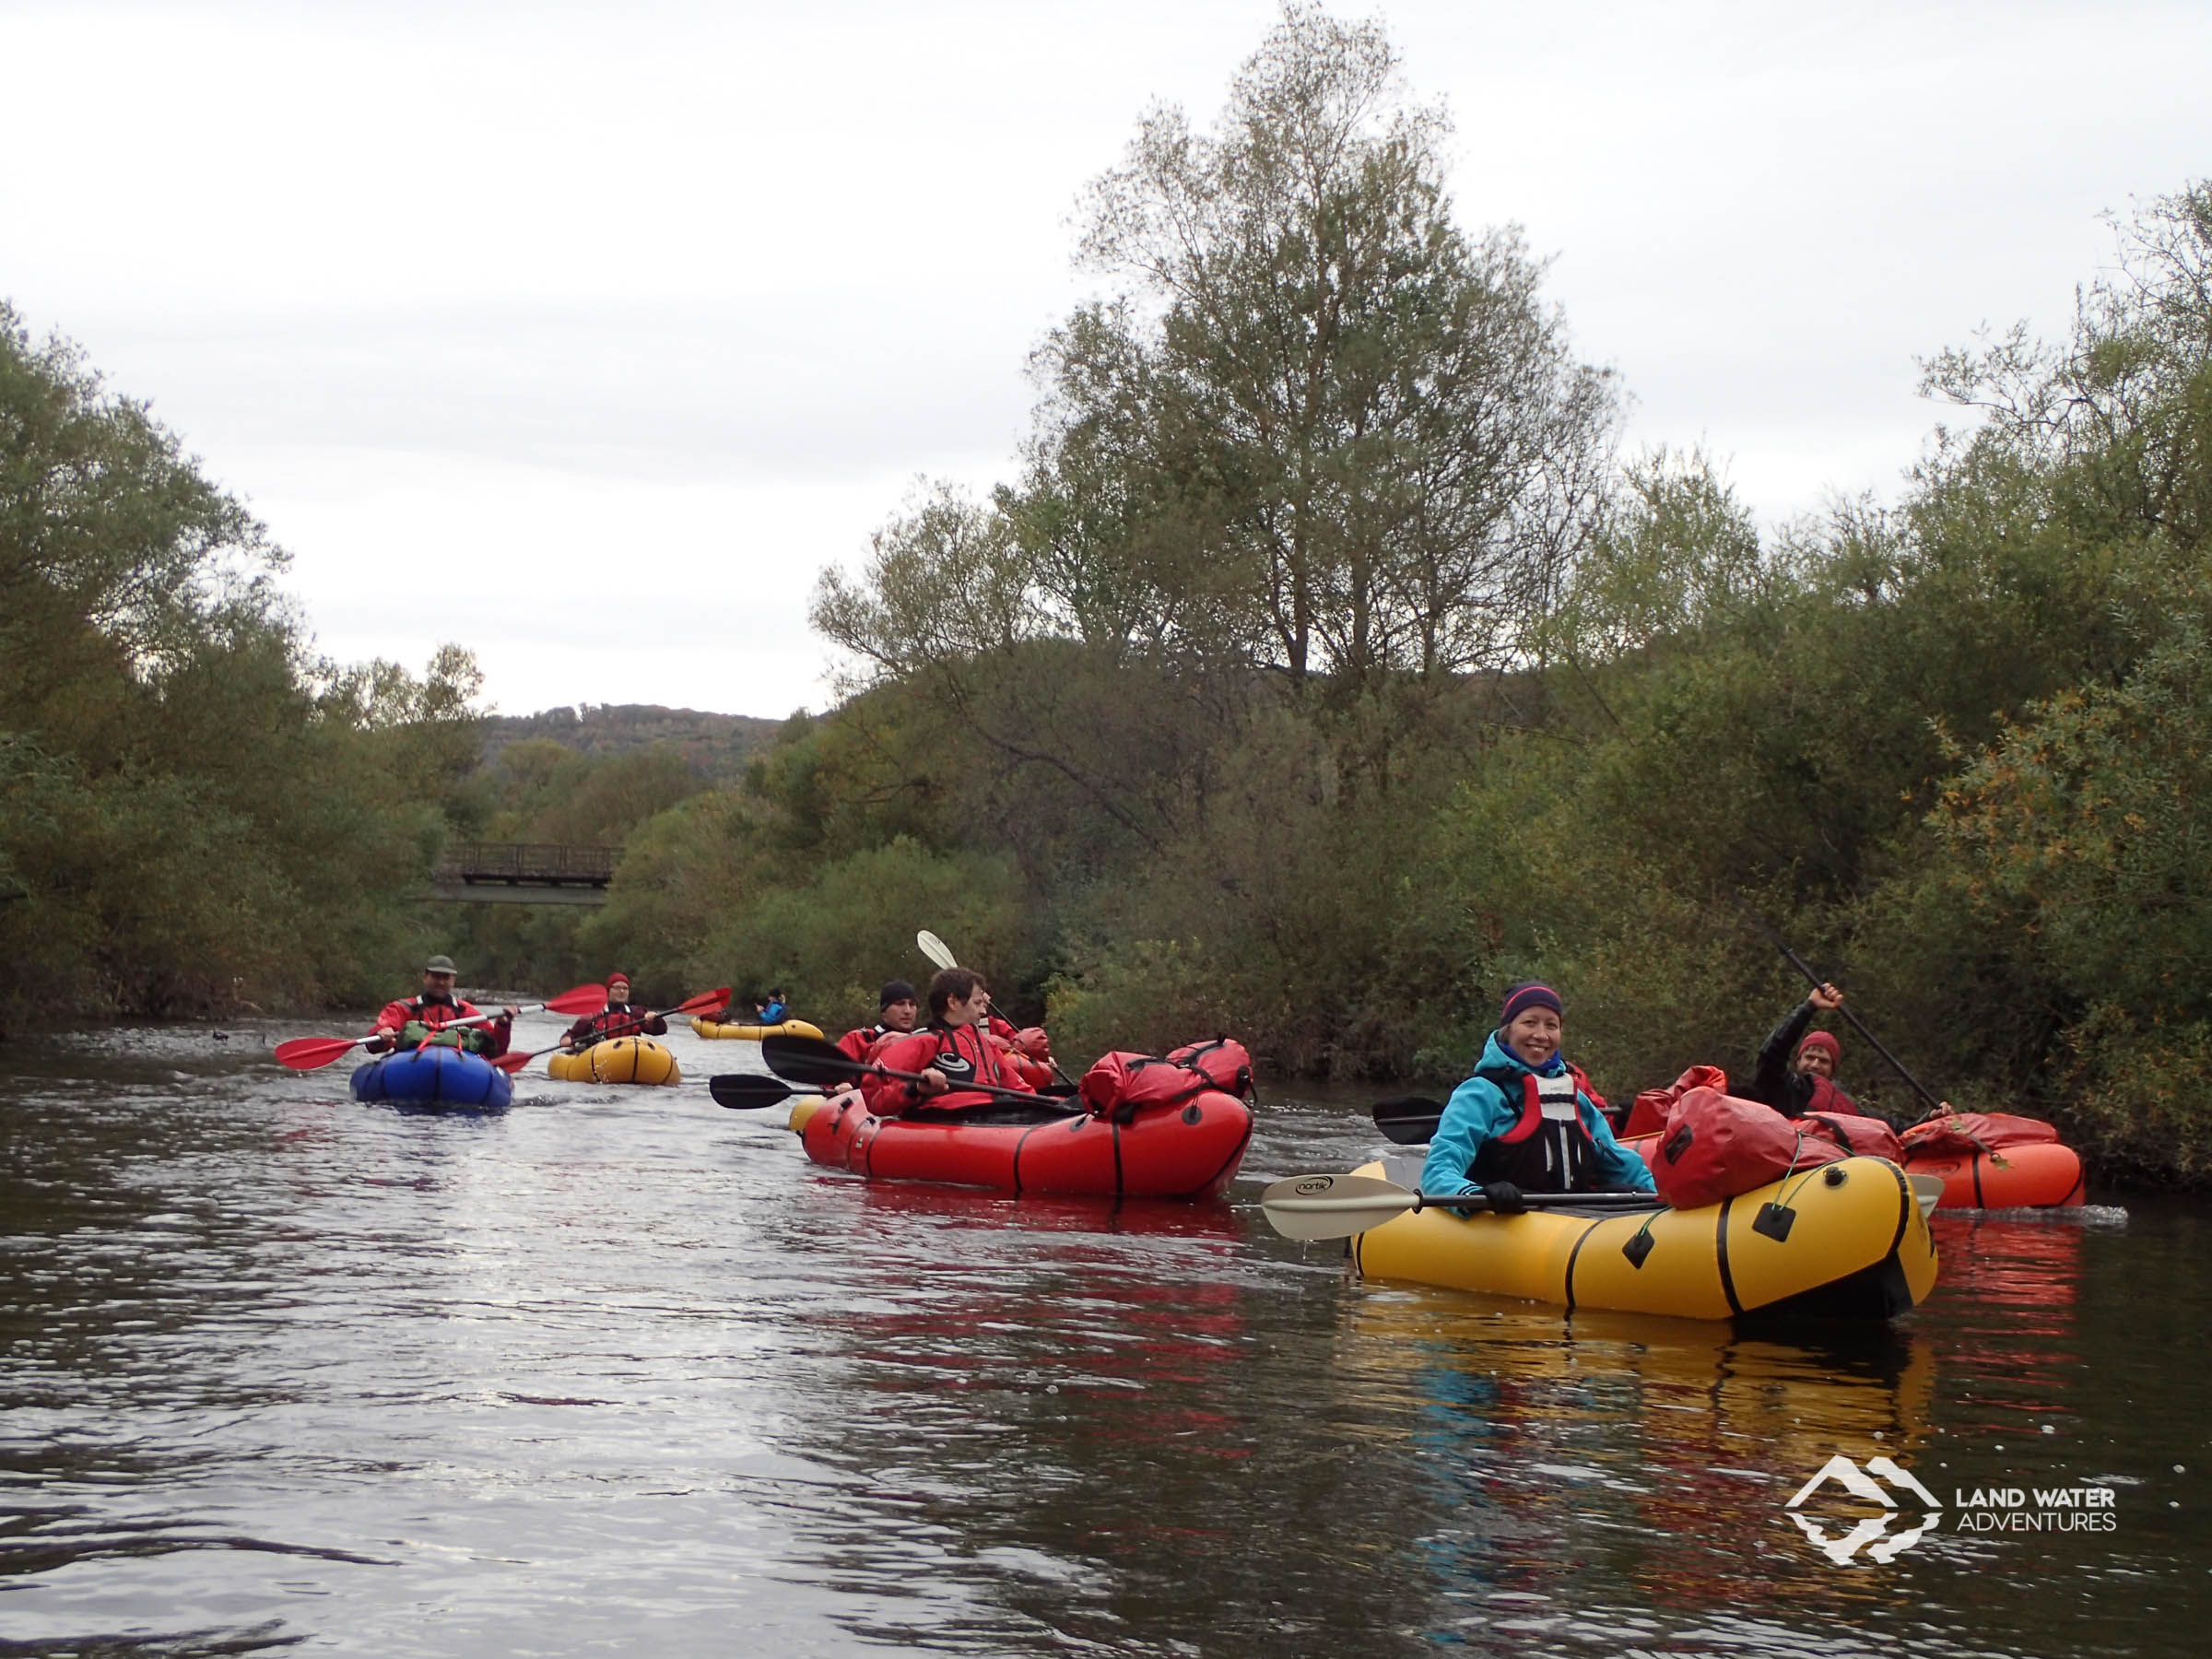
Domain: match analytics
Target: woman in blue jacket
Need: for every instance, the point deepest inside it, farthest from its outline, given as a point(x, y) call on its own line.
point(1521, 1124)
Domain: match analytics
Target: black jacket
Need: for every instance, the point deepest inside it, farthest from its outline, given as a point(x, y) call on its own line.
point(1776, 1083)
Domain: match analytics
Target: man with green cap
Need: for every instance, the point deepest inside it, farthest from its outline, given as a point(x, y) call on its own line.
point(414, 1020)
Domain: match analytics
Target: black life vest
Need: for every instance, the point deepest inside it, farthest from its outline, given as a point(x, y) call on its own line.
point(1548, 1150)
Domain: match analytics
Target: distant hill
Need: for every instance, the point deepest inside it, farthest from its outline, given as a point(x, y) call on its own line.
point(719, 746)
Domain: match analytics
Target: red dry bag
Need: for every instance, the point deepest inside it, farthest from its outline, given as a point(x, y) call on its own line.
point(1963, 1134)
point(1647, 1115)
point(1860, 1136)
point(1716, 1147)
point(1122, 1083)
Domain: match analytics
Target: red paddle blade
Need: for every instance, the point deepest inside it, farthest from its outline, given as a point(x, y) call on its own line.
point(305, 1054)
point(706, 1002)
point(512, 1063)
point(583, 999)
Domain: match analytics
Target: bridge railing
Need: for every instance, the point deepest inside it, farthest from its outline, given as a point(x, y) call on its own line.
point(538, 863)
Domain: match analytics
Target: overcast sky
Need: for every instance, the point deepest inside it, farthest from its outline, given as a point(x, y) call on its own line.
point(621, 321)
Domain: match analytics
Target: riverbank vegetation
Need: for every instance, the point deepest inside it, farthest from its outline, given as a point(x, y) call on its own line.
point(1321, 665)
point(196, 812)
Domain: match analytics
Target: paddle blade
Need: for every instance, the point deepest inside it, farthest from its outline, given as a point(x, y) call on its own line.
point(808, 1060)
point(935, 949)
point(1332, 1206)
point(512, 1061)
point(583, 999)
point(1409, 1120)
point(748, 1091)
point(1927, 1192)
point(305, 1054)
point(706, 1002)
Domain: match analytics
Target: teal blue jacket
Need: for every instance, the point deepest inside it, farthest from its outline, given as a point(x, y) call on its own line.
point(1488, 1104)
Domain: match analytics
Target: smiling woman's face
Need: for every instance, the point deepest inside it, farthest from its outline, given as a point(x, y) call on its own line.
point(1533, 1035)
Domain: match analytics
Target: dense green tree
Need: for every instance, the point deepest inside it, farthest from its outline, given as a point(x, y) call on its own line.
point(196, 812)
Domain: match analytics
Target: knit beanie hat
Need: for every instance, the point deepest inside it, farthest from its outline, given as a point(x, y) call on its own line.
point(1823, 1039)
point(1528, 994)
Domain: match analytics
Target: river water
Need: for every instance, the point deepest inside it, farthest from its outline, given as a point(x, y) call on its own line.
point(619, 1372)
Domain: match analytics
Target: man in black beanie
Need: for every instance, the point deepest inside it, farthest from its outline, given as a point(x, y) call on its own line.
point(897, 1009)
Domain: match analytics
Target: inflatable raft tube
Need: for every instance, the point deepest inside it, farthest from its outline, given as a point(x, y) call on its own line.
point(441, 1077)
point(753, 1033)
point(2040, 1175)
point(617, 1060)
point(1191, 1151)
point(1855, 1245)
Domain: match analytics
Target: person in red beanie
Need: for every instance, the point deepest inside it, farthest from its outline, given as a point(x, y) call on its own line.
point(1795, 1072)
point(616, 1019)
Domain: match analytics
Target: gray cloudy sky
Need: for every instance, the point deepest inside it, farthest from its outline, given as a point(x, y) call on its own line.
point(625, 319)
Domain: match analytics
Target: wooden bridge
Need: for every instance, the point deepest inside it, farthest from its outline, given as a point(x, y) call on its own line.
point(523, 873)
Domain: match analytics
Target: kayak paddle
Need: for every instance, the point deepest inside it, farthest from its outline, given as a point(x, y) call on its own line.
point(705, 1001)
point(938, 951)
point(1336, 1206)
point(1857, 1024)
point(309, 1053)
point(813, 1060)
point(1409, 1120)
point(748, 1091)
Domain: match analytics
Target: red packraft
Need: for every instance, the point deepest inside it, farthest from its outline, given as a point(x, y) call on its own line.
point(1714, 1146)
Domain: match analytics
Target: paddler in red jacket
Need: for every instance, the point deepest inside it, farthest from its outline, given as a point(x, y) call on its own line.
point(950, 1053)
point(415, 1019)
point(896, 1010)
point(616, 1019)
point(1028, 1052)
point(1795, 1072)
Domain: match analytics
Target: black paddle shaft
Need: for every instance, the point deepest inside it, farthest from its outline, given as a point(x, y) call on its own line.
point(813, 1060)
point(1857, 1024)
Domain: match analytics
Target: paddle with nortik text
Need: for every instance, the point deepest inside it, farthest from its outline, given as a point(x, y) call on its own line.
point(1336, 1206)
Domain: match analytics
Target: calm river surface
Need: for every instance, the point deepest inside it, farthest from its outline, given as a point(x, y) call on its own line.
point(619, 1371)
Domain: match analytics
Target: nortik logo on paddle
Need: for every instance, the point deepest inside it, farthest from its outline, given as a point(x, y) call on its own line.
point(1871, 1534)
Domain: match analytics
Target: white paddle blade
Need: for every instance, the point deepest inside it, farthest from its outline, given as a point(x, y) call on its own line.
point(1332, 1206)
point(935, 949)
point(1928, 1190)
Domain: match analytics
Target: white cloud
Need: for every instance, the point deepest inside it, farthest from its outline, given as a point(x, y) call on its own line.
point(530, 293)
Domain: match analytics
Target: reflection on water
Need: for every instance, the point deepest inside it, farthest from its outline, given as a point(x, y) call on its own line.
point(619, 1371)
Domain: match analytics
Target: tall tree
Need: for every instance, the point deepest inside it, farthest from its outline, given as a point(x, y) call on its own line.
point(1398, 447)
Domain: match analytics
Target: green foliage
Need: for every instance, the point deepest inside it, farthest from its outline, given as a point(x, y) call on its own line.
point(1951, 747)
point(194, 813)
point(832, 939)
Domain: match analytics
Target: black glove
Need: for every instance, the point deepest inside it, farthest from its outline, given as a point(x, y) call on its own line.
point(1505, 1198)
point(376, 1045)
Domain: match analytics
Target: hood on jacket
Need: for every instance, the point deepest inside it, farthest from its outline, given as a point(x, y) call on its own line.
point(1497, 1057)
